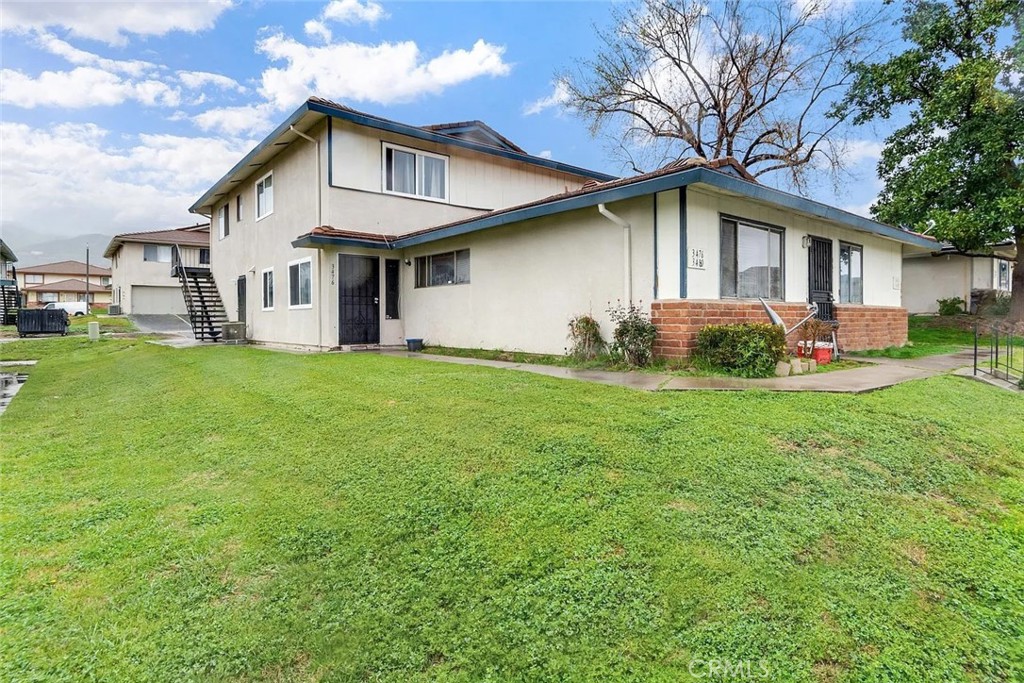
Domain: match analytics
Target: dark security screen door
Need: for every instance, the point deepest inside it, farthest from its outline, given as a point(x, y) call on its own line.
point(819, 286)
point(359, 299)
point(241, 298)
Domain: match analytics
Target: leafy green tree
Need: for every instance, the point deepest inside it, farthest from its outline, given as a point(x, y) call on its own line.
point(956, 168)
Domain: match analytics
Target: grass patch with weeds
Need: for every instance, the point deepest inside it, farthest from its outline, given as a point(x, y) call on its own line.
point(230, 513)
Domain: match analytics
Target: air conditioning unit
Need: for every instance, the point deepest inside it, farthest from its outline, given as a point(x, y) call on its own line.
point(114, 309)
point(233, 332)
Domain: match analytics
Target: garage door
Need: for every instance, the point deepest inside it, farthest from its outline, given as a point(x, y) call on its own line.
point(157, 300)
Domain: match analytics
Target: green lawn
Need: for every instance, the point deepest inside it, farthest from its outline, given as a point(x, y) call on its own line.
point(80, 325)
point(930, 335)
point(227, 513)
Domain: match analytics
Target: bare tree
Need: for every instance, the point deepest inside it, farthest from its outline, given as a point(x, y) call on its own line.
point(753, 79)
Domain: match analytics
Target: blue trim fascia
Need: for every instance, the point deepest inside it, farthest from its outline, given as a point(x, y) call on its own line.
point(330, 151)
point(671, 181)
point(421, 134)
point(655, 221)
point(683, 241)
point(266, 142)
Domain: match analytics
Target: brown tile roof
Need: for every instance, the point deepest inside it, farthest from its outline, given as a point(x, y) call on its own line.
point(68, 286)
point(192, 235)
point(64, 268)
point(588, 187)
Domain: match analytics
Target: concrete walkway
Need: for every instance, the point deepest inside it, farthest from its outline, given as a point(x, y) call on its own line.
point(882, 373)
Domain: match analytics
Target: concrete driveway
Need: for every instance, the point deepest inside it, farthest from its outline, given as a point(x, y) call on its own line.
point(177, 325)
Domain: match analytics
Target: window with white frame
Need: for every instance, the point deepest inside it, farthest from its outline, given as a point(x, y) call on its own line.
point(851, 273)
point(1004, 275)
point(414, 173)
point(300, 284)
point(33, 279)
point(48, 297)
point(158, 253)
point(105, 281)
point(751, 260)
point(268, 289)
point(223, 221)
point(265, 196)
point(449, 268)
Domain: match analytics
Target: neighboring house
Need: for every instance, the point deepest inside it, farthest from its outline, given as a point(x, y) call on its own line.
point(949, 274)
point(141, 273)
point(342, 229)
point(10, 297)
point(64, 281)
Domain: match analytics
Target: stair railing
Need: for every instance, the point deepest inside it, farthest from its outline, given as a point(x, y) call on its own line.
point(178, 266)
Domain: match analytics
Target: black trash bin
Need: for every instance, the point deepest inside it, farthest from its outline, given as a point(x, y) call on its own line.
point(42, 321)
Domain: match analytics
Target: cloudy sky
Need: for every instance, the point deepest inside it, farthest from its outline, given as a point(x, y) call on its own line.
point(116, 117)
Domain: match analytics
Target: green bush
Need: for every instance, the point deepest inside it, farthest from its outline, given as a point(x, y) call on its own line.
point(1000, 306)
point(951, 306)
point(634, 335)
point(585, 340)
point(747, 350)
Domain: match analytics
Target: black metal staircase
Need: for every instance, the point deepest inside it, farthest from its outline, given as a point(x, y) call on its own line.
point(206, 310)
point(10, 297)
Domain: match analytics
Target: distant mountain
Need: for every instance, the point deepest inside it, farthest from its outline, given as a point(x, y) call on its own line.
point(61, 249)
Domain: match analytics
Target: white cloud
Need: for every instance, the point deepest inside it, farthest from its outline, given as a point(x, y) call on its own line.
point(248, 118)
point(354, 12)
point(81, 170)
point(557, 99)
point(860, 209)
point(318, 29)
point(112, 22)
point(862, 150)
point(545, 154)
point(61, 48)
point(388, 73)
point(196, 80)
point(82, 87)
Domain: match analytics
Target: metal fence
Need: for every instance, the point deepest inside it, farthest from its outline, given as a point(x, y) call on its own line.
point(999, 352)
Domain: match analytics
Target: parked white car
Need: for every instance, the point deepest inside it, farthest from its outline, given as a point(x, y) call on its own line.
point(72, 307)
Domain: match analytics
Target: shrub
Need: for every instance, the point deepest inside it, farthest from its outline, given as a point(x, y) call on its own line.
point(634, 335)
point(747, 350)
point(1000, 306)
point(585, 340)
point(951, 306)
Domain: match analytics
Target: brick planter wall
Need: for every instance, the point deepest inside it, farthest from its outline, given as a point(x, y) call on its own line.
point(861, 327)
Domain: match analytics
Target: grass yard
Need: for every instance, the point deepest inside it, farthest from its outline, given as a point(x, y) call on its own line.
point(80, 325)
point(227, 513)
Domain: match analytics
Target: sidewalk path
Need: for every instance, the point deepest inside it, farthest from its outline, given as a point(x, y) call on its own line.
point(883, 372)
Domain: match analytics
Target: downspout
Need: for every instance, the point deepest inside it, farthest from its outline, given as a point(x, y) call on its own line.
point(319, 222)
point(627, 248)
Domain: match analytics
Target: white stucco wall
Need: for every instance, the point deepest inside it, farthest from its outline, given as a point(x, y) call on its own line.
point(530, 278)
point(704, 206)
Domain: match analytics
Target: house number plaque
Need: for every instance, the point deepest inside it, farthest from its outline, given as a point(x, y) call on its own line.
point(696, 259)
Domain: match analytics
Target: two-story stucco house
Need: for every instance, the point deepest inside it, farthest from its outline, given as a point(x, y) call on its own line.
point(344, 229)
point(65, 281)
point(141, 274)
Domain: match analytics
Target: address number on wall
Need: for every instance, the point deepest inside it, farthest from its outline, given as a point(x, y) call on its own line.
point(696, 259)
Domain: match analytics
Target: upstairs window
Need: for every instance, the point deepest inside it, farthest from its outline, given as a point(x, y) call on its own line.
point(265, 196)
point(158, 253)
point(449, 268)
point(238, 208)
point(105, 281)
point(413, 173)
point(851, 273)
point(223, 229)
point(751, 260)
point(204, 256)
point(33, 279)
